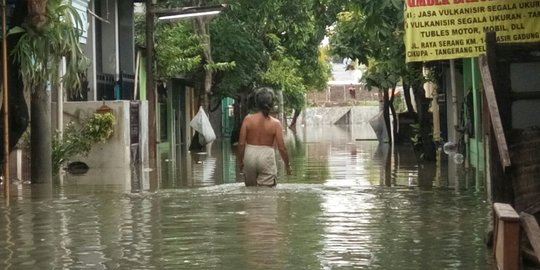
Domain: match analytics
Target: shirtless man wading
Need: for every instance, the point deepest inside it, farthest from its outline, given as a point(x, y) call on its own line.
point(258, 134)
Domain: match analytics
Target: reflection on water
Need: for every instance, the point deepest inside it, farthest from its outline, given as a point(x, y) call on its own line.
point(334, 155)
point(349, 204)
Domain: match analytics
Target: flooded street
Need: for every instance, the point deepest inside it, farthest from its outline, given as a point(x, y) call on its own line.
point(348, 205)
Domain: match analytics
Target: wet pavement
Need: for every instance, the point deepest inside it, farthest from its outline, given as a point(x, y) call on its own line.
point(349, 205)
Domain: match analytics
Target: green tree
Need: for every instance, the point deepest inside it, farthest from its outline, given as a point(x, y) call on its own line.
point(266, 37)
point(372, 31)
point(50, 34)
point(304, 23)
point(184, 47)
point(241, 34)
point(253, 43)
point(178, 50)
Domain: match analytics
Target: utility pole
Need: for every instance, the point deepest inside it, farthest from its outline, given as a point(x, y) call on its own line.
point(5, 165)
point(150, 87)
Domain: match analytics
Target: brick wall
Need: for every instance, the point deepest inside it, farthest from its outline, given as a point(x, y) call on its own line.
point(339, 95)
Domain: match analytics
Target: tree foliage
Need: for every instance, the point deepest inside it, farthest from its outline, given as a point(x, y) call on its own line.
point(274, 43)
point(79, 140)
point(372, 31)
point(40, 49)
point(177, 50)
point(261, 40)
point(285, 74)
point(46, 32)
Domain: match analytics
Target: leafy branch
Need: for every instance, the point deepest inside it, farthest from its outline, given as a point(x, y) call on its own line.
point(79, 141)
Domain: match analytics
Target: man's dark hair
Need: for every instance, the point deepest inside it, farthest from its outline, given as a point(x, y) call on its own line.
point(264, 100)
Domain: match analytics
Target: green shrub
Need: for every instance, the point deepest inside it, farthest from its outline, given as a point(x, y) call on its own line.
point(78, 140)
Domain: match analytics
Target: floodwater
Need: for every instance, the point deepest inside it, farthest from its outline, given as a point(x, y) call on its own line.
point(349, 205)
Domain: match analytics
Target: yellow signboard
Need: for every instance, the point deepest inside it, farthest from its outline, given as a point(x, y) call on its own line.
point(449, 29)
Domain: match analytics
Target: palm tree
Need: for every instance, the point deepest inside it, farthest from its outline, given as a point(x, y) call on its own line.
point(50, 32)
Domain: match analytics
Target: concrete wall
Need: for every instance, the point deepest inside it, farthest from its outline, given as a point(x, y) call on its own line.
point(337, 95)
point(330, 115)
point(111, 162)
point(359, 117)
point(143, 168)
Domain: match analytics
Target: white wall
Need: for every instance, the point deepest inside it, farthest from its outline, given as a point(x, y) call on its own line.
point(110, 162)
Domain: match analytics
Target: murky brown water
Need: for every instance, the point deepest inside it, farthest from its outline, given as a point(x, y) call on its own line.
point(344, 208)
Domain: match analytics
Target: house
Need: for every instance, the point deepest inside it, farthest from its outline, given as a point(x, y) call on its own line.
point(117, 77)
point(108, 41)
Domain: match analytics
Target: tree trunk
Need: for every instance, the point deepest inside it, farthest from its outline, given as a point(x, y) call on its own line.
point(295, 118)
point(407, 96)
point(37, 14)
point(394, 115)
point(386, 115)
point(201, 27)
point(41, 137)
point(424, 117)
point(388, 165)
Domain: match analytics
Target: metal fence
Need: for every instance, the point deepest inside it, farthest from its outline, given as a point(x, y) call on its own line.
point(110, 89)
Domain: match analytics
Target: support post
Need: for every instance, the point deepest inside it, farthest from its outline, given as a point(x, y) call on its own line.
point(506, 237)
point(5, 165)
point(60, 99)
point(453, 124)
point(477, 103)
point(150, 88)
point(60, 107)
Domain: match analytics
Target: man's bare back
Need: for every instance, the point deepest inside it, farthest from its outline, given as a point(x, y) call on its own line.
point(258, 129)
point(261, 130)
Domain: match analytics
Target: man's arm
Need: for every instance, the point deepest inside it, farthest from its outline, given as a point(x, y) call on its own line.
point(281, 147)
point(242, 144)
